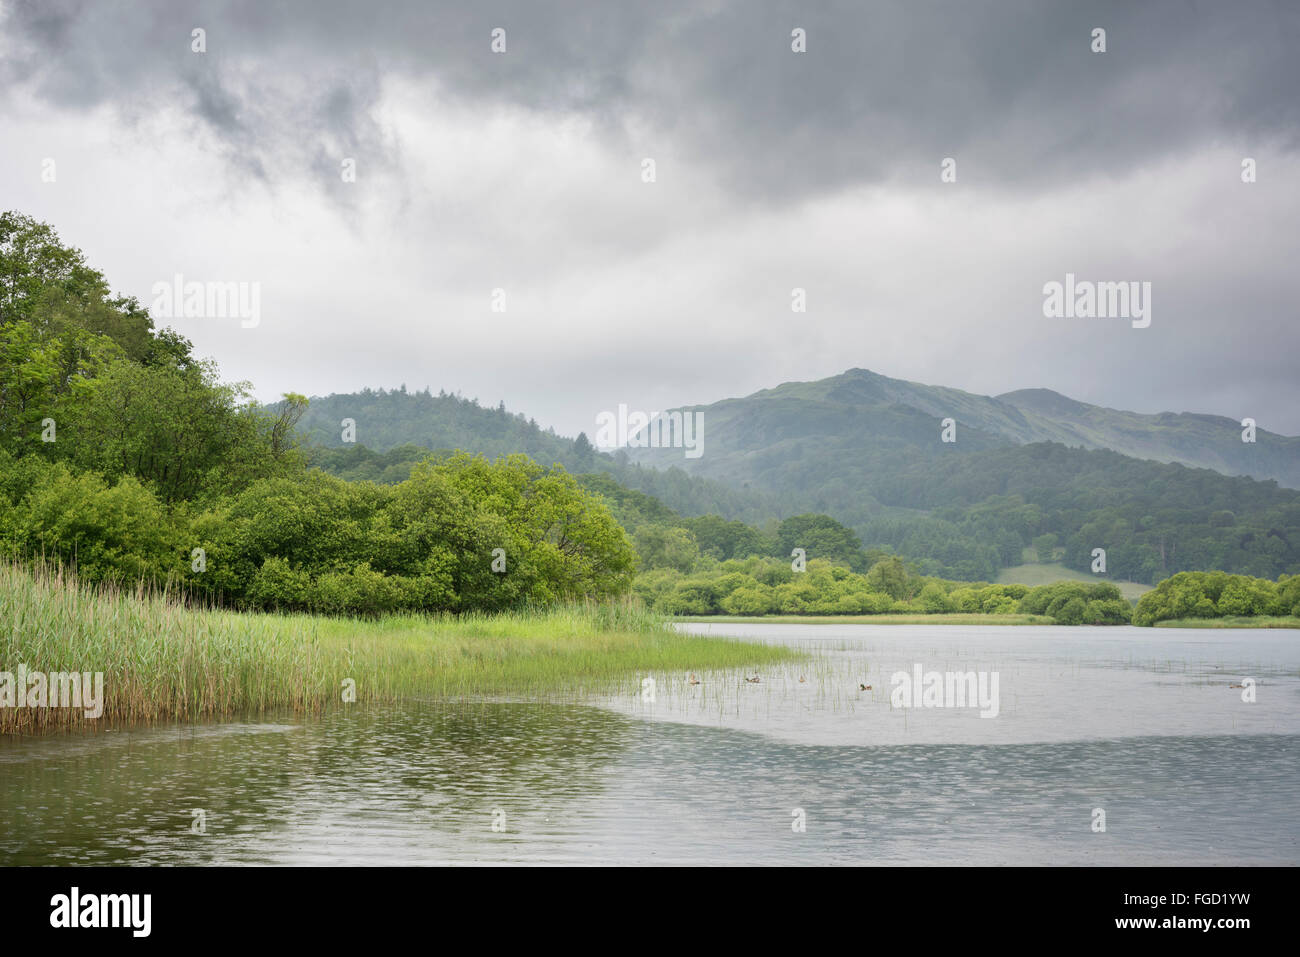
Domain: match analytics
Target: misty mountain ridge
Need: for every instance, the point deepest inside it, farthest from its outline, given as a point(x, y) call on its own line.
point(862, 406)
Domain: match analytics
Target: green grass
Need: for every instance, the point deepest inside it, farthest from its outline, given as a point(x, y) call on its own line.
point(163, 662)
point(1236, 621)
point(947, 618)
point(1047, 573)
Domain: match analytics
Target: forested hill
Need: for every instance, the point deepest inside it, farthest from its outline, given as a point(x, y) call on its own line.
point(962, 510)
point(967, 513)
point(860, 407)
point(385, 419)
point(396, 428)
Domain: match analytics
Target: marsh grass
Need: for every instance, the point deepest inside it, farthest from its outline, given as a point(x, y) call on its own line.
point(164, 661)
point(1235, 621)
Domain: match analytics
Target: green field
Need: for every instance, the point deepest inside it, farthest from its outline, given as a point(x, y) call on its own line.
point(1045, 573)
point(163, 662)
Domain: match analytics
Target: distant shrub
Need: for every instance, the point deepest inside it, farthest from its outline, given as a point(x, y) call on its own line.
point(1077, 603)
point(749, 601)
point(1217, 595)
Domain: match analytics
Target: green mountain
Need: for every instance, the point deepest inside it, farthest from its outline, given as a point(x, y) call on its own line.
point(745, 437)
point(1204, 441)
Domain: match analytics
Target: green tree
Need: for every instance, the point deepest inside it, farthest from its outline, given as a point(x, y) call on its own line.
point(750, 600)
point(108, 532)
point(663, 546)
point(179, 430)
point(891, 577)
point(820, 536)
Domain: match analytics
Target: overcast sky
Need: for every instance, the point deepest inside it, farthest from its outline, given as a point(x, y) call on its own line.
point(774, 169)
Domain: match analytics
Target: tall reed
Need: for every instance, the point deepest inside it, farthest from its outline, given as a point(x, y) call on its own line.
point(163, 661)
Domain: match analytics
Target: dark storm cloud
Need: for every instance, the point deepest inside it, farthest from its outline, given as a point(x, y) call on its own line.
point(885, 91)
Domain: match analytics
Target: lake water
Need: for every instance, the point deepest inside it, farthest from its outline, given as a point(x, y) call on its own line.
point(1139, 723)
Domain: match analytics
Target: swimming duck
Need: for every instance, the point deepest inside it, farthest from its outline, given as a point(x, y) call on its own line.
point(862, 687)
point(753, 680)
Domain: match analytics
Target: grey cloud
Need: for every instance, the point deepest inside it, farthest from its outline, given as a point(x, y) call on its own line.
point(884, 91)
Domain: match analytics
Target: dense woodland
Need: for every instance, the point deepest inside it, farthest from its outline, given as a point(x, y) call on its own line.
point(1152, 519)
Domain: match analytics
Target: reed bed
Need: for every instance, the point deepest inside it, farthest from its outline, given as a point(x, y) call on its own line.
point(1236, 621)
point(165, 661)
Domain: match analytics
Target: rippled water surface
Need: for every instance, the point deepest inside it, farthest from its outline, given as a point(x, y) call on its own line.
point(1141, 723)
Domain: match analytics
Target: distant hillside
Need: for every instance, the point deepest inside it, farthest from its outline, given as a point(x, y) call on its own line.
point(1050, 573)
point(389, 418)
point(395, 428)
point(1203, 441)
point(867, 450)
point(757, 434)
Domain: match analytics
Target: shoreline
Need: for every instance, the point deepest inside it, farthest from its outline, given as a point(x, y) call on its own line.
point(968, 618)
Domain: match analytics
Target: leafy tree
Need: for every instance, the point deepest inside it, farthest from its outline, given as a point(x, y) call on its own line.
point(108, 532)
point(934, 599)
point(723, 539)
point(820, 536)
point(662, 546)
point(890, 576)
point(750, 600)
point(179, 430)
point(287, 416)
